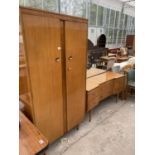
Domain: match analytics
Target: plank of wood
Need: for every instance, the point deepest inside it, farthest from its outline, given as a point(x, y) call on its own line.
point(31, 140)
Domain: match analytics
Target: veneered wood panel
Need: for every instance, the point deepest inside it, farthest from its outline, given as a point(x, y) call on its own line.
point(106, 89)
point(93, 98)
point(23, 87)
point(102, 86)
point(76, 46)
point(27, 101)
point(29, 137)
point(119, 85)
point(42, 37)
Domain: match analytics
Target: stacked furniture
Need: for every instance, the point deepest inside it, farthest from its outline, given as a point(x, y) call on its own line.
point(95, 52)
point(108, 62)
point(101, 41)
point(130, 44)
point(102, 86)
point(56, 64)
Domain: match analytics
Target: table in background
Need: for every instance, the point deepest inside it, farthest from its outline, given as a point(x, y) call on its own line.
point(106, 58)
point(121, 59)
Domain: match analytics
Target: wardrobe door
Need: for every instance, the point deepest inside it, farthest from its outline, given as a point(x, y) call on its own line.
point(42, 43)
point(75, 47)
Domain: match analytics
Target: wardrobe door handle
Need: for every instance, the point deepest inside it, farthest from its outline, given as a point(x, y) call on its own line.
point(59, 48)
point(57, 59)
point(70, 58)
point(69, 68)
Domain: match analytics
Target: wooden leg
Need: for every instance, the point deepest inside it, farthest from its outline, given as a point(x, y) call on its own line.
point(42, 153)
point(77, 127)
point(126, 91)
point(117, 95)
point(124, 94)
point(116, 98)
point(89, 116)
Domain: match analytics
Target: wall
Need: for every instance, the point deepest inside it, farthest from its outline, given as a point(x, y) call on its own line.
point(115, 5)
point(115, 33)
point(95, 31)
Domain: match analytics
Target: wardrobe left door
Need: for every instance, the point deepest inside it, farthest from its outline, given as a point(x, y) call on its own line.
point(42, 39)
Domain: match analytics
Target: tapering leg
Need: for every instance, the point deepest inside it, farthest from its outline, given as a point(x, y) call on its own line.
point(77, 127)
point(89, 116)
point(117, 96)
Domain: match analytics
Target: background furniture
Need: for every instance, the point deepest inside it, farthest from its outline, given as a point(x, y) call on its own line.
point(130, 41)
point(122, 59)
point(31, 140)
point(105, 59)
point(102, 86)
point(112, 55)
point(130, 80)
point(130, 44)
point(114, 52)
point(95, 52)
point(115, 69)
point(123, 51)
point(101, 41)
point(108, 62)
point(109, 65)
point(56, 64)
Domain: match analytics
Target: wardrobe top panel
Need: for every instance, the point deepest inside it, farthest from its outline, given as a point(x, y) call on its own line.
point(38, 12)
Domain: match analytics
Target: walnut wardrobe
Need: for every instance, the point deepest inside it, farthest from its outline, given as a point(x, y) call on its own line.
point(55, 48)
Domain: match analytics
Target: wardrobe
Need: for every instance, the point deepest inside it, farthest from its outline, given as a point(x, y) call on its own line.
point(55, 48)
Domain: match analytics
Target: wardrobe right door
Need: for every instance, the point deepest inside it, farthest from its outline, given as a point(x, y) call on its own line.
point(75, 48)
